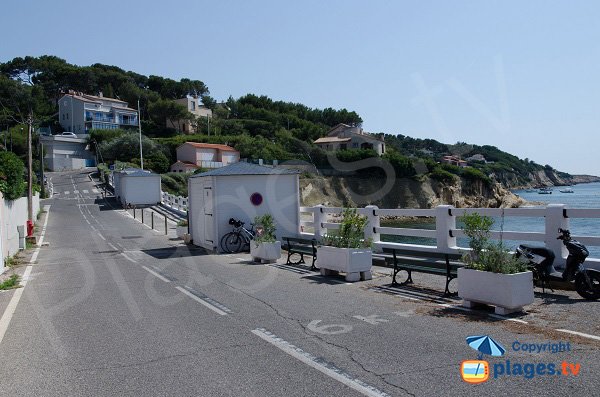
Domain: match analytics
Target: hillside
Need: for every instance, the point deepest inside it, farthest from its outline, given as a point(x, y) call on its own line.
point(257, 126)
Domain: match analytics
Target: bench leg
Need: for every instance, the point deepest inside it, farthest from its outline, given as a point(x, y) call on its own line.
point(447, 291)
point(312, 266)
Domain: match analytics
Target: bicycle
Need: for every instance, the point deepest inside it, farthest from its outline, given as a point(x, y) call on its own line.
point(237, 240)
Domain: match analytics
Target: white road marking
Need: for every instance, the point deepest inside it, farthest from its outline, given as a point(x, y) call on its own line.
point(160, 276)
point(85, 191)
point(75, 191)
point(128, 258)
point(95, 191)
point(579, 334)
point(372, 319)
point(202, 301)
point(67, 192)
point(88, 222)
point(112, 246)
point(318, 364)
point(101, 236)
point(407, 313)
point(14, 301)
point(326, 329)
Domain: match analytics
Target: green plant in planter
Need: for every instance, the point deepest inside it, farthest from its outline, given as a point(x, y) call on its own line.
point(351, 231)
point(265, 229)
point(484, 255)
point(182, 222)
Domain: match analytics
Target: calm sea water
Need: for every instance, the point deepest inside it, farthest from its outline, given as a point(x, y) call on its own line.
point(584, 196)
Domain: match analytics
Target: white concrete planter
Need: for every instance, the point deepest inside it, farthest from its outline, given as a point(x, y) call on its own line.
point(355, 262)
point(507, 292)
point(181, 230)
point(265, 252)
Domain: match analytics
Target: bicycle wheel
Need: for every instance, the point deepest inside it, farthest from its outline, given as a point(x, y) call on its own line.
point(231, 242)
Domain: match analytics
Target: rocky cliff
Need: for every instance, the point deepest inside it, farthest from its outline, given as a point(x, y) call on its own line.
point(403, 193)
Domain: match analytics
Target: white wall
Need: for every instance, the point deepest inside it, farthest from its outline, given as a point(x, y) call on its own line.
point(140, 190)
point(206, 155)
point(12, 214)
point(186, 153)
point(228, 157)
point(232, 200)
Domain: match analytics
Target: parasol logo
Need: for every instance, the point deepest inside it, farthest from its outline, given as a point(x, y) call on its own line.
point(478, 371)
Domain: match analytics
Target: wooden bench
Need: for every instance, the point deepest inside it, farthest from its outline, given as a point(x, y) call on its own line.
point(302, 246)
point(422, 262)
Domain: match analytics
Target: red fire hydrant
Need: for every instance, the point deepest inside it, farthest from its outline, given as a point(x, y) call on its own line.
point(29, 228)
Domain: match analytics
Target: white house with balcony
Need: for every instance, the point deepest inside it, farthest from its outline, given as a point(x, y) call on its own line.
point(80, 113)
point(194, 155)
point(193, 105)
point(344, 136)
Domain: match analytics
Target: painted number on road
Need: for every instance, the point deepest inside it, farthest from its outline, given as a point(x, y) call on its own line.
point(329, 329)
point(373, 319)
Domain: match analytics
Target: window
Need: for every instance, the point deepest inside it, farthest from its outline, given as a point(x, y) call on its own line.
point(355, 145)
point(343, 146)
point(67, 116)
point(193, 105)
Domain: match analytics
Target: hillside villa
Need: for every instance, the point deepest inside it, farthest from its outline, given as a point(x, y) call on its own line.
point(193, 155)
point(344, 136)
point(194, 106)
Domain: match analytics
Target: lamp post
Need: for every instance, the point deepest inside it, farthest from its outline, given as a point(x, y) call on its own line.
point(140, 129)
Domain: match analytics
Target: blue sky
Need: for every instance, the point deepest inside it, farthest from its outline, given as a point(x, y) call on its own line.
point(520, 75)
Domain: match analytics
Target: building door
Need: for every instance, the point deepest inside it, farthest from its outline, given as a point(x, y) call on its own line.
point(208, 216)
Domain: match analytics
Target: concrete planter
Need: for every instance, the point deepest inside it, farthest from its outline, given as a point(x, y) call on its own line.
point(265, 252)
point(181, 230)
point(507, 292)
point(355, 262)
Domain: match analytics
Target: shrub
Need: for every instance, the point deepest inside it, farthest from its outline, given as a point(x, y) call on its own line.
point(442, 175)
point(265, 229)
point(351, 231)
point(12, 182)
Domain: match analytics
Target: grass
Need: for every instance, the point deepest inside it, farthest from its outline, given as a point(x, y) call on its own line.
point(12, 261)
point(11, 282)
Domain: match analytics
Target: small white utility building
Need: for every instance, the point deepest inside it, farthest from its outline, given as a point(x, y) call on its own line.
point(241, 191)
point(134, 186)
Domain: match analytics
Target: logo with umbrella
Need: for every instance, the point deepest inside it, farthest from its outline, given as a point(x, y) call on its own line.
point(478, 371)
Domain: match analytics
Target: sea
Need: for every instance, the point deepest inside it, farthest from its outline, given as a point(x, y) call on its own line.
point(584, 196)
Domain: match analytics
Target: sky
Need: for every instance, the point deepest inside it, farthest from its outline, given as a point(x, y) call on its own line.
point(519, 75)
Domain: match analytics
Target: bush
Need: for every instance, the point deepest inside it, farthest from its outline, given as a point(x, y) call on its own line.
point(473, 174)
point(442, 175)
point(265, 229)
point(12, 182)
point(351, 231)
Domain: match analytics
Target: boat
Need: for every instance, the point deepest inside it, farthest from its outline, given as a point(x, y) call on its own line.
point(545, 190)
point(530, 190)
point(567, 190)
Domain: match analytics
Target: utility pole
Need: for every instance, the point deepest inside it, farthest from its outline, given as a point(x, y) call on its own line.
point(140, 129)
point(42, 185)
point(30, 170)
point(208, 124)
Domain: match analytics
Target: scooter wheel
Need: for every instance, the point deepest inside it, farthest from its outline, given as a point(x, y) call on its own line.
point(588, 292)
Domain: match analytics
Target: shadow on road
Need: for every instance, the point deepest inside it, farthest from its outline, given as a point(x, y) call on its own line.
point(175, 252)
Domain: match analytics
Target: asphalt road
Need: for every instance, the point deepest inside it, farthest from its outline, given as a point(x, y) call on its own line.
point(114, 308)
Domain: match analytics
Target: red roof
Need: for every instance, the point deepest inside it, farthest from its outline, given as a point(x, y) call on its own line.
point(224, 148)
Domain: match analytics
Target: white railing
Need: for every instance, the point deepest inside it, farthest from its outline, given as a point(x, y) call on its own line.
point(319, 220)
point(177, 203)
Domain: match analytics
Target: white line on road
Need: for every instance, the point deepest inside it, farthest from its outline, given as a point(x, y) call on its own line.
point(128, 258)
point(101, 236)
point(14, 301)
point(156, 274)
point(580, 334)
point(67, 192)
point(88, 222)
point(202, 301)
point(318, 364)
point(85, 191)
point(95, 191)
point(113, 247)
point(75, 191)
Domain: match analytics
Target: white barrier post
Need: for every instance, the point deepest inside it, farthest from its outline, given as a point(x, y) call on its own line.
point(444, 222)
point(372, 224)
point(318, 220)
point(555, 219)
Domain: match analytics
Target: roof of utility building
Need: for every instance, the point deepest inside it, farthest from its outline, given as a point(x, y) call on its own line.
point(243, 168)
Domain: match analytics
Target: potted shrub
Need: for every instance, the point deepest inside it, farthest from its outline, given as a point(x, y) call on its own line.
point(182, 228)
point(492, 275)
point(346, 250)
point(265, 247)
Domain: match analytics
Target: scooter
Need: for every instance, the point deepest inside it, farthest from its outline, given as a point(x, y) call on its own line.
point(540, 261)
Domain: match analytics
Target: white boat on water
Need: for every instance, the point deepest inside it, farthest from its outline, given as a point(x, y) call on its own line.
point(567, 190)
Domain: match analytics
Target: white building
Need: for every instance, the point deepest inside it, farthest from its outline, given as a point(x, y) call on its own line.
point(241, 191)
point(344, 136)
point(204, 155)
point(79, 113)
point(137, 187)
point(62, 153)
point(195, 107)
